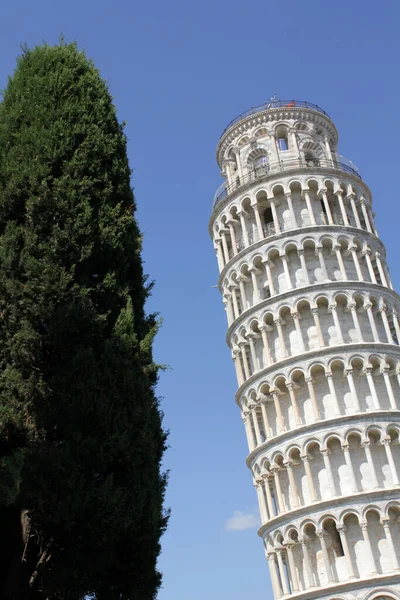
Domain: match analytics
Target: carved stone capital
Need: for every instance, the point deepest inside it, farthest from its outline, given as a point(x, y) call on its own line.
point(290, 545)
point(303, 541)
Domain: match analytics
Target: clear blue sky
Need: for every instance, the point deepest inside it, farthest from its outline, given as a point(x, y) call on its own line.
point(179, 72)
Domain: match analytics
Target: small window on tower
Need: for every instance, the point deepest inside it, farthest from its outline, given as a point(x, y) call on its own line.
point(282, 144)
point(282, 139)
point(268, 218)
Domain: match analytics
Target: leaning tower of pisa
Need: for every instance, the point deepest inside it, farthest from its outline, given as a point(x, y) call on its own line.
point(314, 335)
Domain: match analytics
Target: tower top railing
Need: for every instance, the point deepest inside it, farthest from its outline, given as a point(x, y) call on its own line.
point(338, 162)
point(273, 103)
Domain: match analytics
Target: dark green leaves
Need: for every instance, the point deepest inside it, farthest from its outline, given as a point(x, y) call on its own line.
point(80, 424)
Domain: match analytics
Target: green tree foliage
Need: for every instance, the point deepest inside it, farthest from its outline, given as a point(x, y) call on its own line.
point(81, 439)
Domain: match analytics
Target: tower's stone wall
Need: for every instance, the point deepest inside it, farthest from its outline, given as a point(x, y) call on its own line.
point(314, 333)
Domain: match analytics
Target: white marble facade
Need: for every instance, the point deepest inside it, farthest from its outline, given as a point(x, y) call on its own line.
point(314, 333)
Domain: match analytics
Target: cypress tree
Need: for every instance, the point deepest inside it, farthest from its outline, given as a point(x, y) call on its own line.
point(81, 437)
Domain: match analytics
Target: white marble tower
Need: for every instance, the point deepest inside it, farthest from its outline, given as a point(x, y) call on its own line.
point(314, 336)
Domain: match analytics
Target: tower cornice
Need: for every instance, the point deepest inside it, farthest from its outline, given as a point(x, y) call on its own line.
point(344, 420)
point(338, 503)
point(281, 237)
point(306, 292)
point(274, 177)
point(339, 350)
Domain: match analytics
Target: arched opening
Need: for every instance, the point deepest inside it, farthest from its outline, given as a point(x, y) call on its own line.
point(266, 213)
point(292, 538)
point(379, 459)
point(261, 132)
point(284, 574)
point(282, 138)
point(306, 327)
point(269, 485)
point(311, 260)
point(325, 404)
point(299, 386)
point(365, 400)
point(393, 433)
point(359, 462)
point(379, 544)
point(394, 525)
point(301, 127)
point(271, 415)
point(314, 554)
point(355, 542)
point(324, 320)
point(298, 474)
point(377, 365)
point(335, 550)
point(284, 401)
point(339, 467)
point(318, 472)
point(326, 248)
point(310, 157)
point(258, 163)
point(268, 216)
point(248, 227)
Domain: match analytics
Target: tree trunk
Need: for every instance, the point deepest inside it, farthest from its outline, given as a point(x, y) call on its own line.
point(20, 554)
